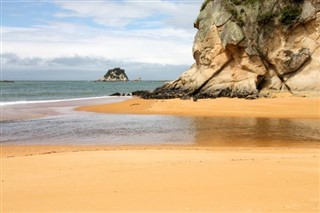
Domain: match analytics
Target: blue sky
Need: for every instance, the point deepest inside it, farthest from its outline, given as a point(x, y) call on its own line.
point(81, 40)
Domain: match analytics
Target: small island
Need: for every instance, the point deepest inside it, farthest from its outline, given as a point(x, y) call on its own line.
point(113, 75)
point(6, 81)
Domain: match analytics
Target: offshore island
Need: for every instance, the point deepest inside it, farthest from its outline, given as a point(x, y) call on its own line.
point(264, 51)
point(114, 75)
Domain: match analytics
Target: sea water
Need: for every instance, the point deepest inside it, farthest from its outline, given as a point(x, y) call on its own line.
point(44, 91)
point(43, 113)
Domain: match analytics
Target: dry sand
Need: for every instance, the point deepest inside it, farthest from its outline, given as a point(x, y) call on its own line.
point(159, 179)
point(285, 107)
point(168, 178)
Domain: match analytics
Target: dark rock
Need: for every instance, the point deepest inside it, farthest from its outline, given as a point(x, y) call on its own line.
point(195, 99)
point(115, 94)
point(252, 97)
point(141, 93)
point(185, 97)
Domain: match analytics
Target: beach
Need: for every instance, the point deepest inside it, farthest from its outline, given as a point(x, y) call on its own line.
point(282, 107)
point(157, 179)
point(160, 106)
point(200, 177)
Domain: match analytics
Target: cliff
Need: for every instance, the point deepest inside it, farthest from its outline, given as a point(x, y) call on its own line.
point(115, 74)
point(244, 48)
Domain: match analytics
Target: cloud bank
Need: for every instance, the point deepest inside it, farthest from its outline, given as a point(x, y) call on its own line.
point(81, 68)
point(144, 36)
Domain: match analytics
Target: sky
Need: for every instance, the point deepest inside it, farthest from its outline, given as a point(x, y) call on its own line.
point(81, 40)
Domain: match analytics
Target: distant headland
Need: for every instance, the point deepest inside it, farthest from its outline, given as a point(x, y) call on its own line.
point(6, 81)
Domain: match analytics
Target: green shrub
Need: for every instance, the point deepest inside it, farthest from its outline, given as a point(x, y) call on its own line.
point(290, 14)
point(266, 18)
point(240, 22)
point(298, 1)
point(237, 2)
point(252, 1)
point(231, 9)
point(204, 4)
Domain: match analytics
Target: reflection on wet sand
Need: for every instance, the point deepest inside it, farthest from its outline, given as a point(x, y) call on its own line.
point(257, 132)
point(82, 128)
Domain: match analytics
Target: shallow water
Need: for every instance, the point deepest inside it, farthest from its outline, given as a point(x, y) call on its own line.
point(71, 127)
point(258, 132)
point(96, 129)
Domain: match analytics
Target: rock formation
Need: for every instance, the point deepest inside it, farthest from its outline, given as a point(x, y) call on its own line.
point(244, 48)
point(115, 74)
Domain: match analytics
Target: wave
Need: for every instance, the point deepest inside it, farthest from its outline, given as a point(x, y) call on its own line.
point(53, 101)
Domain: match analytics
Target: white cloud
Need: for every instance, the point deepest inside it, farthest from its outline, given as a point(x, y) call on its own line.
point(178, 14)
point(162, 46)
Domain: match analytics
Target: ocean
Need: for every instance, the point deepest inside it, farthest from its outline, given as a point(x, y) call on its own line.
point(43, 91)
point(43, 113)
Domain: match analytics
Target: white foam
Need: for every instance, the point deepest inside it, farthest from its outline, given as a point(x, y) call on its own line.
point(55, 101)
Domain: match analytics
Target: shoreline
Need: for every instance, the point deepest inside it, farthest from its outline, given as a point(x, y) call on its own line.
point(12, 151)
point(282, 107)
point(44, 108)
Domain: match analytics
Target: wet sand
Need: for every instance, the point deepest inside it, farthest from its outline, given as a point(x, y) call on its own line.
point(27, 111)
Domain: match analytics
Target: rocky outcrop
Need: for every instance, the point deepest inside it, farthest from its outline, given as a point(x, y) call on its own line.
point(115, 74)
point(244, 48)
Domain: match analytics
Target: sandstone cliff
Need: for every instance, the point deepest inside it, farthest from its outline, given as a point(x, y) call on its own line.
point(245, 47)
point(115, 74)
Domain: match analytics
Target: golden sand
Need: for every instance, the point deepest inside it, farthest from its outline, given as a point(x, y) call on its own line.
point(286, 107)
point(159, 179)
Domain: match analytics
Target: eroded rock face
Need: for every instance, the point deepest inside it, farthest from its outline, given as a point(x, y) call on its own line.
point(115, 74)
point(243, 47)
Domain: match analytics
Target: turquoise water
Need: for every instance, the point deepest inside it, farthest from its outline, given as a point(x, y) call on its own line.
point(58, 90)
